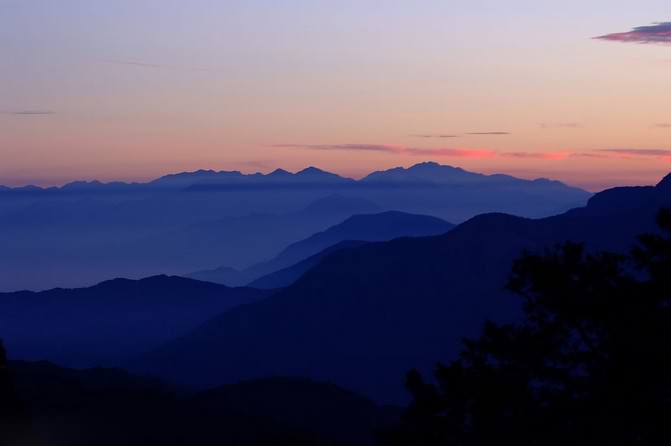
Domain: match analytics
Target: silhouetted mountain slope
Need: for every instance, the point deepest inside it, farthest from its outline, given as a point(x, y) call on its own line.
point(111, 407)
point(375, 227)
point(287, 276)
point(112, 321)
point(364, 316)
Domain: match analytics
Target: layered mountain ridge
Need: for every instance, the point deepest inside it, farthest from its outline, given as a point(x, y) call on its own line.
point(362, 227)
point(363, 316)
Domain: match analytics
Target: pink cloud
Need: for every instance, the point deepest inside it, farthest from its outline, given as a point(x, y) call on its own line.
point(441, 152)
point(657, 33)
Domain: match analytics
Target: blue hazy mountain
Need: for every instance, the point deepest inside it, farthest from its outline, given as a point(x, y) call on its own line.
point(433, 173)
point(88, 231)
point(240, 241)
point(363, 316)
point(112, 321)
point(185, 180)
point(437, 174)
point(370, 227)
point(77, 243)
point(210, 179)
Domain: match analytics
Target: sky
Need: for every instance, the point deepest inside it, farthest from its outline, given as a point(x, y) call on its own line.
point(133, 89)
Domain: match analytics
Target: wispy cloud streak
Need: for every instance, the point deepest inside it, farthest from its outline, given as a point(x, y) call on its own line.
point(659, 33)
point(134, 63)
point(435, 136)
point(453, 153)
point(556, 156)
point(392, 149)
point(456, 135)
point(155, 66)
point(560, 125)
point(663, 153)
point(440, 152)
point(28, 112)
point(351, 147)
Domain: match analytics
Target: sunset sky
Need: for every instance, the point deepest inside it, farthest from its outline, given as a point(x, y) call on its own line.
point(132, 89)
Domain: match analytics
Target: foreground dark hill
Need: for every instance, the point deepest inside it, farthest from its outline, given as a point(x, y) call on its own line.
point(112, 321)
point(15, 421)
point(199, 220)
point(111, 407)
point(370, 227)
point(364, 316)
point(338, 415)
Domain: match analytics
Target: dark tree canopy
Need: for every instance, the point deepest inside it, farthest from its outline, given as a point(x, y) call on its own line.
point(590, 364)
point(14, 423)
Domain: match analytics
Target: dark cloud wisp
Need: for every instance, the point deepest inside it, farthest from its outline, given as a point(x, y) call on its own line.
point(28, 112)
point(151, 65)
point(560, 125)
point(353, 147)
point(556, 156)
point(134, 63)
point(659, 33)
point(452, 153)
point(638, 152)
point(427, 136)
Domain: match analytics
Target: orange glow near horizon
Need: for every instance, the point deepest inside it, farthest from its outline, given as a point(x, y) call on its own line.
point(101, 92)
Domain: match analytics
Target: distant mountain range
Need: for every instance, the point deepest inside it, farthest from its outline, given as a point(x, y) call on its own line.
point(206, 179)
point(365, 315)
point(437, 174)
point(372, 227)
point(111, 322)
point(198, 178)
point(428, 173)
point(85, 232)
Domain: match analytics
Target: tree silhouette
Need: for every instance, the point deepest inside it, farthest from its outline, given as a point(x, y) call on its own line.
point(590, 364)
